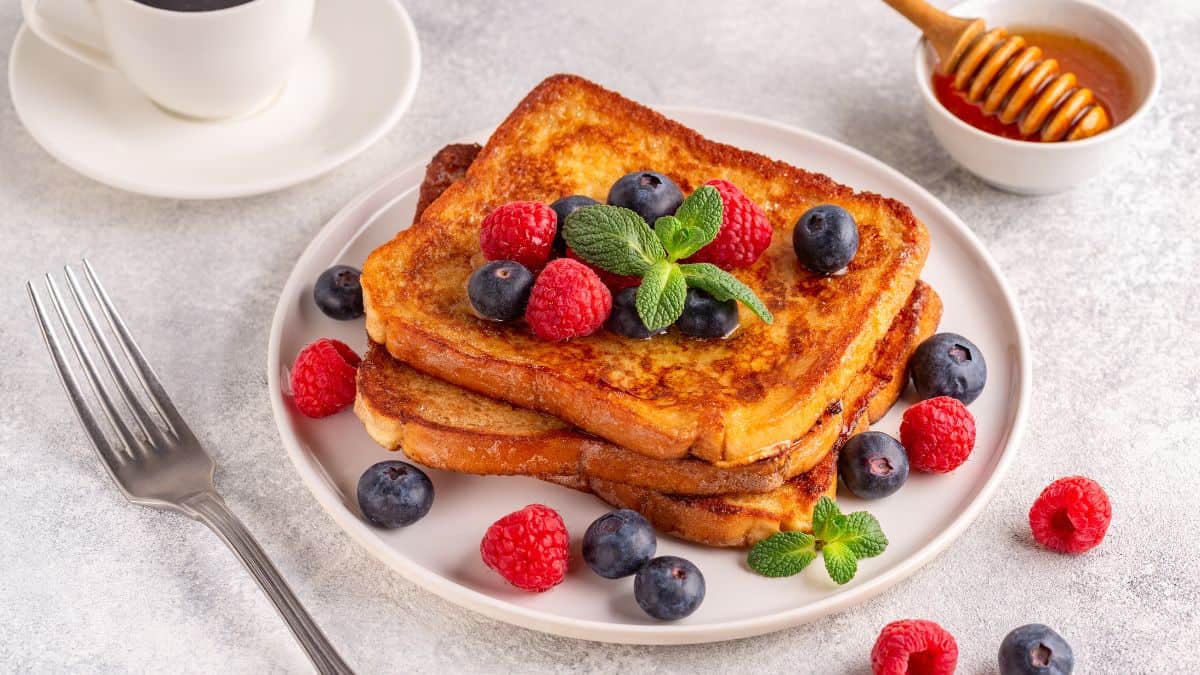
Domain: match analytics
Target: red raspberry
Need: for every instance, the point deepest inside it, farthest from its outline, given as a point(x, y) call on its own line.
point(528, 548)
point(1071, 515)
point(615, 282)
point(520, 231)
point(323, 378)
point(745, 231)
point(914, 647)
point(568, 300)
point(938, 433)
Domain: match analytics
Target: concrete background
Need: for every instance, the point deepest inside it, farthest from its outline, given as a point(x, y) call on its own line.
point(1106, 276)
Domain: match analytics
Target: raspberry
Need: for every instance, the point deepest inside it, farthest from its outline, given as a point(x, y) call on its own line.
point(938, 433)
point(519, 231)
point(615, 282)
point(568, 300)
point(1071, 515)
point(745, 231)
point(528, 548)
point(323, 378)
point(914, 647)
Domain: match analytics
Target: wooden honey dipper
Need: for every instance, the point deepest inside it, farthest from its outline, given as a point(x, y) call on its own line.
point(1007, 77)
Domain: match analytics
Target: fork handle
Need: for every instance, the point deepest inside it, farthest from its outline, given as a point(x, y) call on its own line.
point(210, 509)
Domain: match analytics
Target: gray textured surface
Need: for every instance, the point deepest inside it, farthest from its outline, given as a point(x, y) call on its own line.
point(1107, 277)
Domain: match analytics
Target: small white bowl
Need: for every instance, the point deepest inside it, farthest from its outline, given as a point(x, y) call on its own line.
point(1042, 168)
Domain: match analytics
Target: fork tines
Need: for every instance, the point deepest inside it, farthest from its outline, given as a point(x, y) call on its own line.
point(135, 430)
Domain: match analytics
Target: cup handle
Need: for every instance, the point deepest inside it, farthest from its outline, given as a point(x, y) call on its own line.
point(93, 56)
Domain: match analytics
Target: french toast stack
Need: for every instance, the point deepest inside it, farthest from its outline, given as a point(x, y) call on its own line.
point(722, 442)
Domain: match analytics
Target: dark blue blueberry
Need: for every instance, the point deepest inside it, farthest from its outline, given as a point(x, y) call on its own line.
point(825, 238)
point(649, 193)
point(617, 544)
point(394, 494)
point(338, 292)
point(705, 316)
point(500, 290)
point(873, 465)
point(1035, 649)
point(624, 319)
point(563, 208)
point(668, 588)
point(948, 364)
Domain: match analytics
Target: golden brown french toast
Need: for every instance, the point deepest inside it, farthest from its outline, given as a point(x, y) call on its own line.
point(448, 427)
point(724, 401)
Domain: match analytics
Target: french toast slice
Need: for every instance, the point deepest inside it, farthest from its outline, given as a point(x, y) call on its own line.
point(441, 425)
point(723, 401)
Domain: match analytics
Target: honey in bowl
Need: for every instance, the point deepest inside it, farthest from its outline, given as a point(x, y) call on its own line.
point(1093, 66)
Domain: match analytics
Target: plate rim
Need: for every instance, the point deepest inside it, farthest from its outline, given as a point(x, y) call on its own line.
point(546, 622)
point(288, 179)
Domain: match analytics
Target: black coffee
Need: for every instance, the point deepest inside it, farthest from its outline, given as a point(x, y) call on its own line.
point(193, 5)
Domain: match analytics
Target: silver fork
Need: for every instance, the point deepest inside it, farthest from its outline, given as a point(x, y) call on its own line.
point(157, 460)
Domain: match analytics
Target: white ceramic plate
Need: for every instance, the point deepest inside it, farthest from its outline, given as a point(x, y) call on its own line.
point(355, 78)
point(441, 552)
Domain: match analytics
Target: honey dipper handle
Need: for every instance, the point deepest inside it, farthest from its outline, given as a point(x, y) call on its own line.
point(949, 35)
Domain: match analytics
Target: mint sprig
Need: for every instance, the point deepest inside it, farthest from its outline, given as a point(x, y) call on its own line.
point(618, 240)
point(842, 540)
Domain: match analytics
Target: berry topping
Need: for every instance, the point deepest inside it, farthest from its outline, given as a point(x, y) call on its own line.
point(948, 364)
point(1035, 649)
point(617, 544)
point(563, 208)
point(648, 193)
point(938, 433)
point(668, 588)
point(499, 290)
point(394, 494)
point(528, 548)
point(520, 231)
point(704, 316)
point(322, 378)
point(338, 293)
point(745, 231)
point(1071, 515)
point(914, 647)
point(624, 319)
point(568, 300)
point(825, 238)
point(615, 282)
point(873, 465)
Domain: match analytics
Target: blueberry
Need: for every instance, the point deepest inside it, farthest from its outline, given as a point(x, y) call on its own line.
point(617, 544)
point(1035, 649)
point(500, 289)
point(948, 364)
point(649, 193)
point(624, 319)
point(668, 588)
point(704, 316)
point(873, 465)
point(394, 494)
point(825, 238)
point(563, 208)
point(338, 292)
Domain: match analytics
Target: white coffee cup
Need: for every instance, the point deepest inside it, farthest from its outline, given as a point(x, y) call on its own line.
point(211, 64)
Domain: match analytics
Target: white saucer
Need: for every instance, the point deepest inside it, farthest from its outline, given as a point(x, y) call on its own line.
point(355, 79)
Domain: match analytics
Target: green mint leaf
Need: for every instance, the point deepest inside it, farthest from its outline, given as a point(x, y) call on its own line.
point(862, 535)
point(660, 298)
point(724, 286)
point(614, 239)
point(782, 554)
point(827, 520)
point(695, 224)
point(839, 562)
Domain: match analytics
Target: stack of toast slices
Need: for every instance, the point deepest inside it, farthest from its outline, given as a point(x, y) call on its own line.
point(721, 442)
